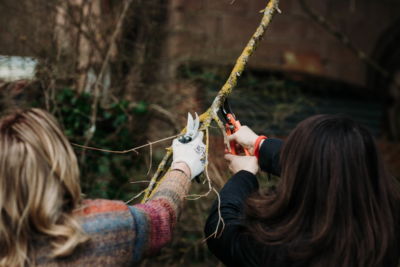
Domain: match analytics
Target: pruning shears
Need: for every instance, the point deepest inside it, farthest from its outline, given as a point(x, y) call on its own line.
point(192, 129)
point(232, 125)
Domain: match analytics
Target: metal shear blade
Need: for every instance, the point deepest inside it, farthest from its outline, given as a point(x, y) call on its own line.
point(225, 110)
point(192, 129)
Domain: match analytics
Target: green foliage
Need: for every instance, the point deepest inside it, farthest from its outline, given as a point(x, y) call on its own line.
point(103, 175)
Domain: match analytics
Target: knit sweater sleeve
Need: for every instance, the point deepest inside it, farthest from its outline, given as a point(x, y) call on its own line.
point(156, 219)
point(122, 235)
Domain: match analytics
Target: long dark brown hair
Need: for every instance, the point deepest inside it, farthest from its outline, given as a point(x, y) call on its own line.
point(334, 205)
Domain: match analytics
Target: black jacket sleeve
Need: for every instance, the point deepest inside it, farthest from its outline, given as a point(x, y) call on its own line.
point(269, 156)
point(232, 247)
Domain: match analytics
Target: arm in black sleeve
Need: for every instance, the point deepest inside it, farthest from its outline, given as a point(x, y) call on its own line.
point(269, 156)
point(231, 247)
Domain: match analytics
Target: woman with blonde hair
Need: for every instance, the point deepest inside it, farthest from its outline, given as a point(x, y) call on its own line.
point(44, 220)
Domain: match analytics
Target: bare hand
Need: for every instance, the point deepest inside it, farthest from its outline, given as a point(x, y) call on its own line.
point(245, 137)
point(238, 163)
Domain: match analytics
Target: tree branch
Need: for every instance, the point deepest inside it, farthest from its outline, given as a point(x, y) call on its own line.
point(207, 117)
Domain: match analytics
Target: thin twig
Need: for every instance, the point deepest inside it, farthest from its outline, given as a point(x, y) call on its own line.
point(150, 158)
point(135, 197)
point(138, 182)
point(217, 233)
point(166, 113)
point(128, 150)
point(220, 218)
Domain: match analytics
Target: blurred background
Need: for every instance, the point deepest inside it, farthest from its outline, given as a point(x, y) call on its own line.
point(122, 73)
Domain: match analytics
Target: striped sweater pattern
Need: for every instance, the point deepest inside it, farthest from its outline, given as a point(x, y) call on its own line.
point(122, 235)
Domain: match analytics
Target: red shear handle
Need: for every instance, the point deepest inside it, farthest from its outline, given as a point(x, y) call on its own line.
point(229, 131)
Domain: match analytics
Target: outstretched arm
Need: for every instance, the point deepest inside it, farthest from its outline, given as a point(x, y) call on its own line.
point(123, 235)
point(156, 219)
point(126, 234)
point(160, 213)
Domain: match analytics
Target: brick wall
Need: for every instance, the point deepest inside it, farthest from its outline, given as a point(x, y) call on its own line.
point(215, 31)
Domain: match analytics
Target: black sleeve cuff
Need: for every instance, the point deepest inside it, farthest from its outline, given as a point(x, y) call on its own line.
point(269, 156)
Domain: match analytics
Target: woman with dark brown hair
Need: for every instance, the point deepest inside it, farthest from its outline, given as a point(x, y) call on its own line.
point(334, 204)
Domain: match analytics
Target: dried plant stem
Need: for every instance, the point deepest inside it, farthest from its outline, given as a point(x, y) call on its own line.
point(135, 197)
point(150, 158)
point(139, 182)
point(221, 221)
point(134, 149)
point(207, 117)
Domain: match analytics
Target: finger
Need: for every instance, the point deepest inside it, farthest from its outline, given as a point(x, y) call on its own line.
point(228, 157)
point(231, 168)
point(232, 137)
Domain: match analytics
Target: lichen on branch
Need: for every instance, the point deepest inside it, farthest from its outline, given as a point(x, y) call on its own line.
point(211, 114)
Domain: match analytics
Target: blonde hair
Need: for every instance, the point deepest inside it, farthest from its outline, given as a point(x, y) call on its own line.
point(39, 187)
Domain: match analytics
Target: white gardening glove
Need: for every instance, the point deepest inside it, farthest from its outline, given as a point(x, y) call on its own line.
point(192, 153)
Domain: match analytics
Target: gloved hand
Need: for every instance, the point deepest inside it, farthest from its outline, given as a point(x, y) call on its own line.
point(192, 153)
